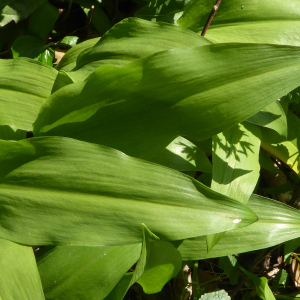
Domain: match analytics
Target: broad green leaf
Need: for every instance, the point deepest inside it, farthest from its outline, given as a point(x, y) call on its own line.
point(219, 295)
point(235, 165)
point(85, 272)
point(42, 20)
point(286, 149)
point(7, 133)
point(273, 117)
point(261, 284)
point(162, 10)
point(246, 21)
point(68, 62)
point(182, 155)
point(161, 263)
point(57, 190)
point(132, 39)
point(154, 95)
point(24, 86)
point(277, 224)
point(19, 275)
point(121, 288)
point(18, 10)
point(28, 46)
point(280, 278)
point(230, 267)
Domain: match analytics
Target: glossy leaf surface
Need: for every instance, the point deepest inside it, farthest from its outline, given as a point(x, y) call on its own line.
point(19, 275)
point(246, 21)
point(153, 93)
point(24, 86)
point(58, 190)
point(277, 223)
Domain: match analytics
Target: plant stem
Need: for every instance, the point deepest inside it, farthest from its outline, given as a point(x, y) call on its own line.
point(211, 16)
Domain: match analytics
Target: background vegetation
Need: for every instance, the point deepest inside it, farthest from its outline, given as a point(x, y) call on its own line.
point(147, 155)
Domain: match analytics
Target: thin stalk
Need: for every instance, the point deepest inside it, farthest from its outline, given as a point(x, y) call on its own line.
point(211, 16)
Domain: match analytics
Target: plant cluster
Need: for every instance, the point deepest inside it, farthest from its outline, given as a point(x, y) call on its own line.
point(149, 149)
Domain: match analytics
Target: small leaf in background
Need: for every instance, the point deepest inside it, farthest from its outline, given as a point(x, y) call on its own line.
point(42, 20)
point(290, 247)
point(182, 155)
point(230, 267)
point(247, 296)
point(220, 295)
point(261, 284)
point(280, 278)
point(70, 40)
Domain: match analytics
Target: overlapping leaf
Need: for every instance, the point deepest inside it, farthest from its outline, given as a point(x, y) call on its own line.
point(85, 272)
point(24, 86)
point(198, 96)
point(246, 21)
point(56, 190)
point(277, 223)
point(19, 277)
point(235, 165)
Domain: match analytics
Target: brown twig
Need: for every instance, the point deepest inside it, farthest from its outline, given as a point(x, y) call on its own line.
point(211, 16)
point(90, 21)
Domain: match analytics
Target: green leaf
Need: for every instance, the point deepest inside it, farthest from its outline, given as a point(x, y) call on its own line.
point(261, 284)
point(42, 20)
point(162, 10)
point(7, 133)
point(19, 277)
point(100, 197)
point(230, 267)
point(68, 62)
point(235, 165)
point(277, 224)
point(70, 40)
point(24, 86)
point(132, 39)
point(280, 278)
point(286, 149)
point(121, 288)
point(162, 262)
point(62, 79)
point(28, 46)
point(246, 21)
point(219, 295)
point(153, 93)
point(86, 272)
point(266, 162)
point(273, 117)
point(182, 155)
point(18, 10)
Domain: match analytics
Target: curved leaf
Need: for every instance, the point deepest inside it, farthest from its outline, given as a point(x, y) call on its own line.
point(199, 96)
point(56, 190)
point(24, 86)
point(277, 223)
point(246, 21)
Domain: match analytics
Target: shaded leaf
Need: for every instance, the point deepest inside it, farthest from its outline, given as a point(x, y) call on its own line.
point(290, 247)
point(7, 133)
point(182, 155)
point(153, 93)
point(18, 10)
point(85, 272)
point(19, 277)
point(235, 165)
point(246, 21)
point(132, 39)
point(57, 190)
point(277, 223)
point(280, 278)
point(266, 162)
point(230, 267)
point(24, 86)
point(42, 20)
